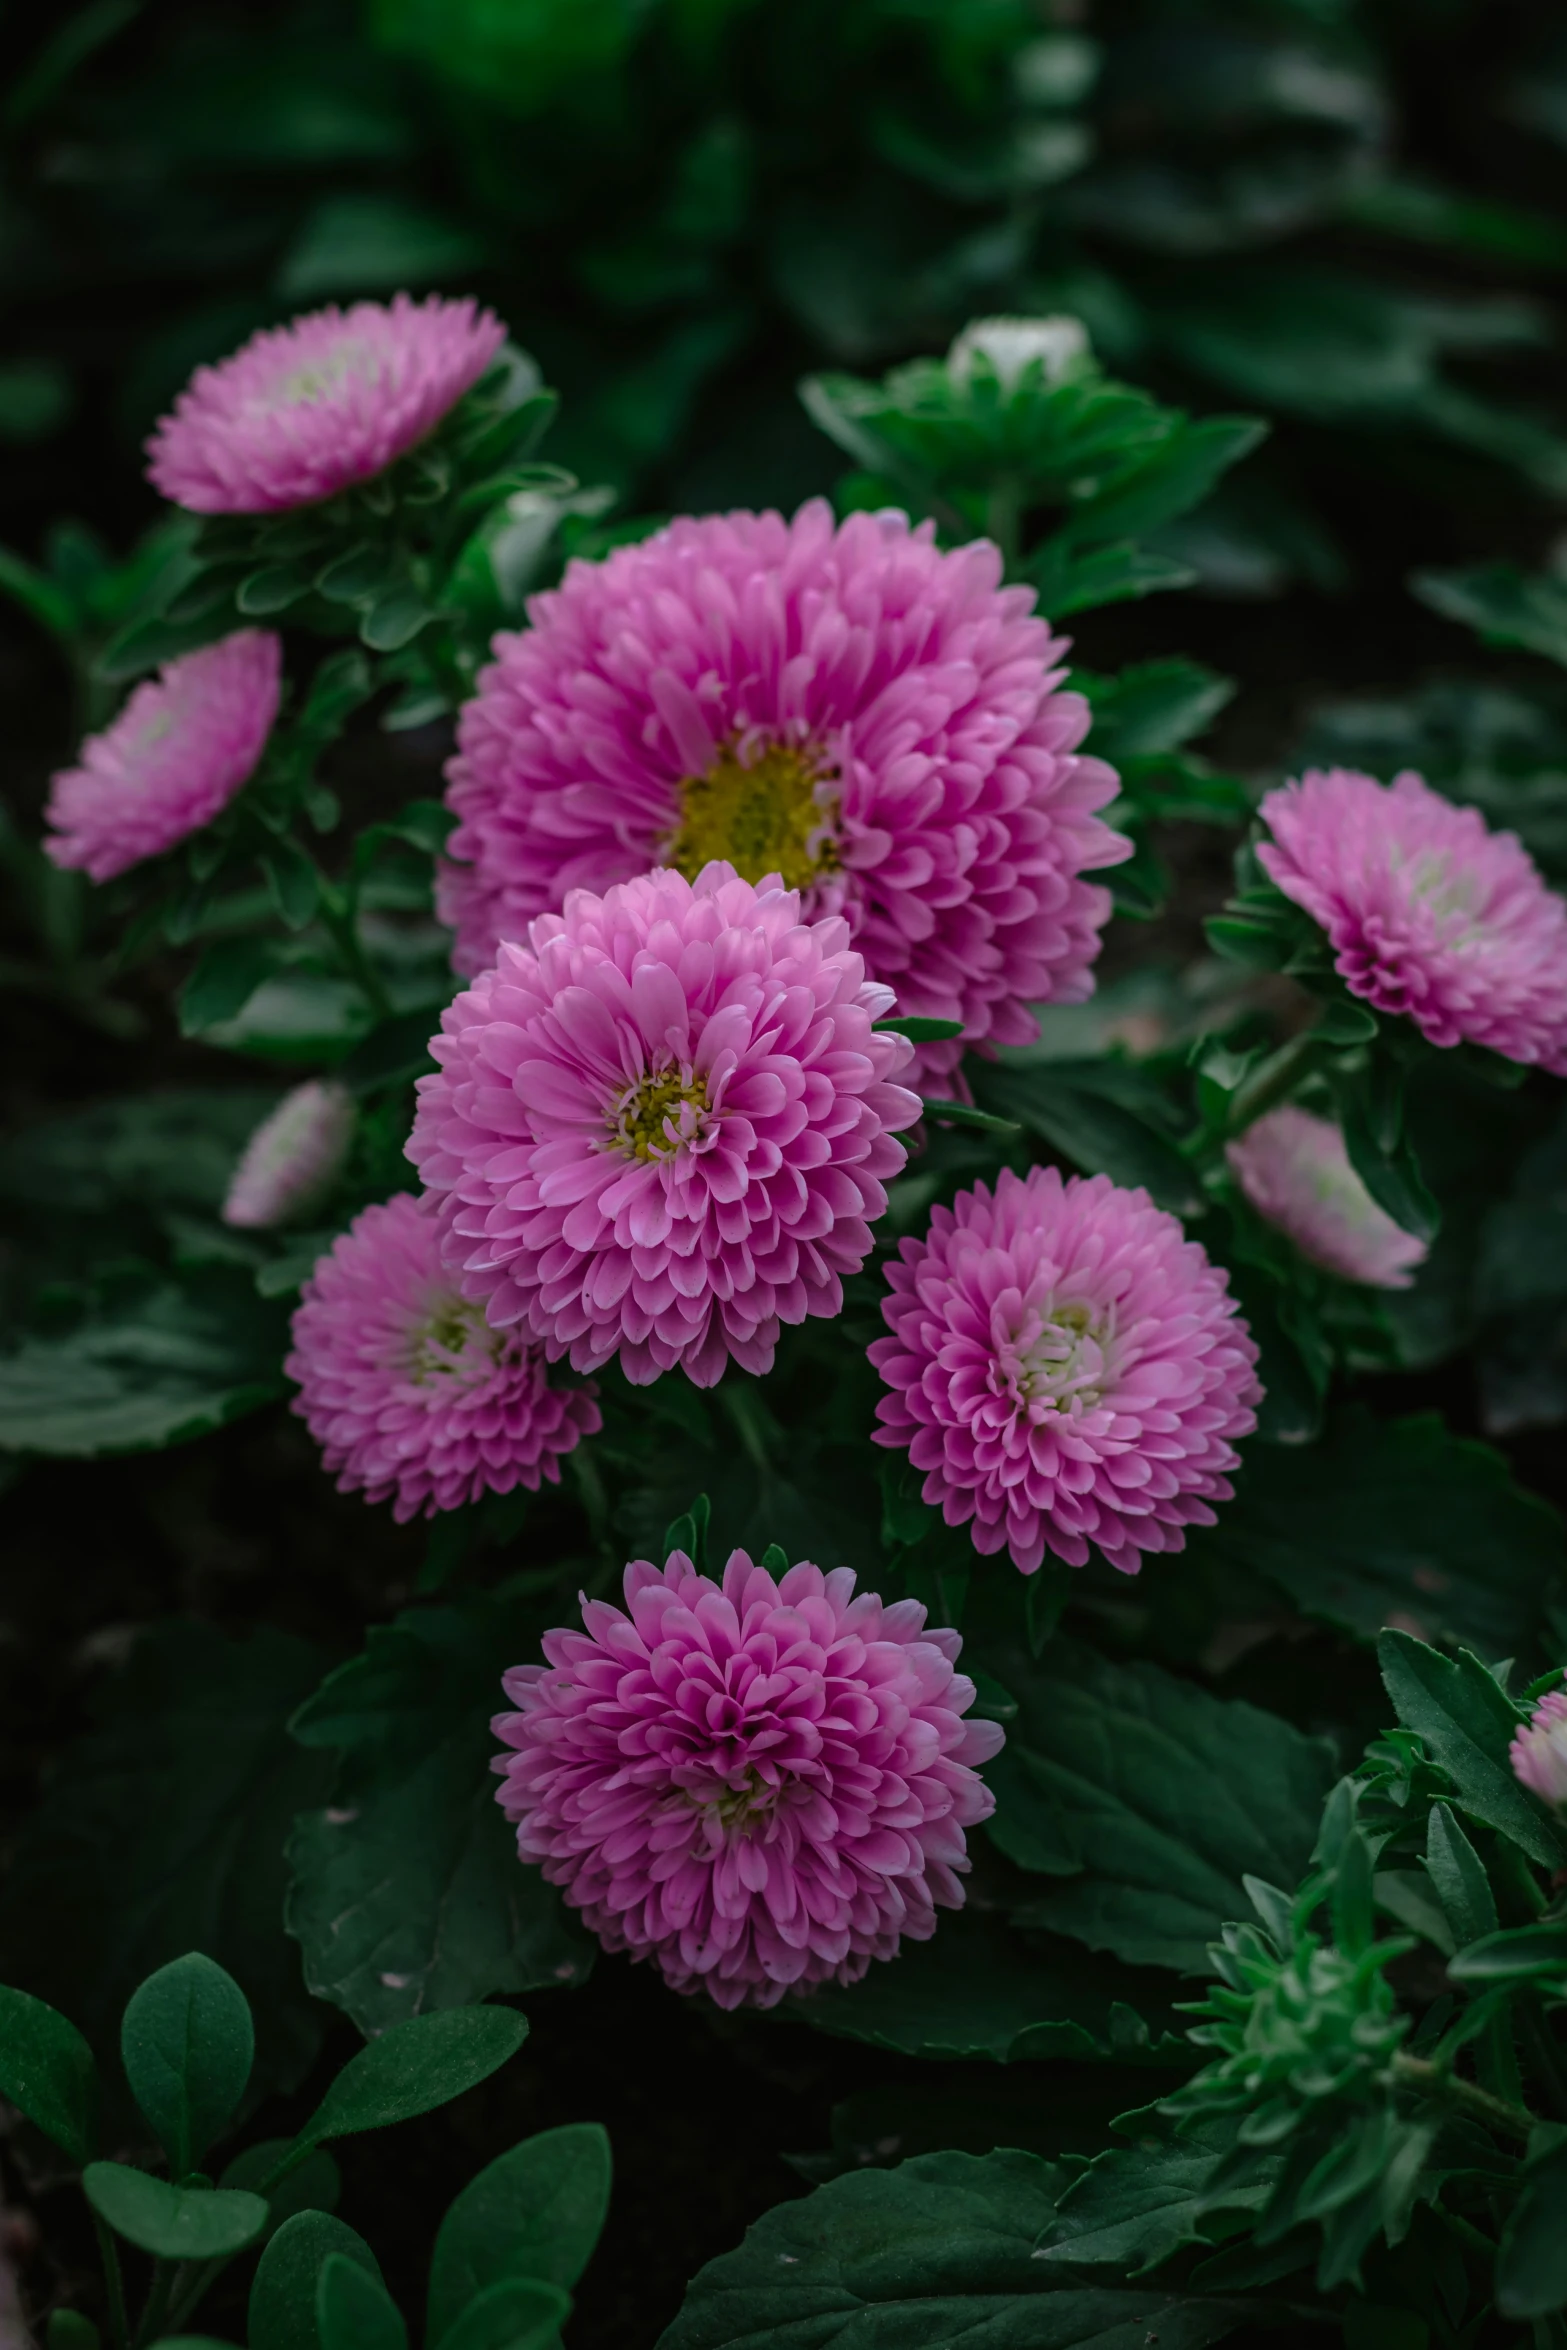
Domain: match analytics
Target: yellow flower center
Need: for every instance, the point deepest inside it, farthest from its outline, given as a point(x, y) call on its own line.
point(456, 1341)
point(766, 815)
point(658, 1114)
point(1067, 1363)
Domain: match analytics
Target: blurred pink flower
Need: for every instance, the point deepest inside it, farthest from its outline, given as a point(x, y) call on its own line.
point(1066, 1368)
point(664, 1127)
point(1295, 1170)
point(757, 1785)
point(406, 1388)
point(877, 722)
point(303, 410)
point(293, 1158)
point(1428, 912)
point(1539, 1750)
point(183, 745)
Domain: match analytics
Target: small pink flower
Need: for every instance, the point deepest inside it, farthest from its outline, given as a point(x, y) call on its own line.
point(1539, 1750)
point(294, 1157)
point(407, 1389)
point(183, 745)
point(1066, 1368)
point(1295, 1170)
point(757, 1785)
point(665, 1126)
point(303, 410)
point(1428, 912)
point(873, 719)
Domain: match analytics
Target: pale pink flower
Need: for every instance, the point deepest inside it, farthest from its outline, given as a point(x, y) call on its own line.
point(1539, 1750)
point(294, 1157)
point(1428, 912)
point(407, 1389)
point(183, 745)
point(876, 721)
point(1066, 1368)
point(665, 1126)
point(1295, 1170)
point(759, 1785)
point(304, 410)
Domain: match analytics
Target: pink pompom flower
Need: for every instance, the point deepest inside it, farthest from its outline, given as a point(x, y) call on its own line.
point(406, 1388)
point(1295, 1170)
point(665, 1126)
point(1066, 1368)
point(759, 1785)
point(877, 722)
point(304, 410)
point(1539, 1750)
point(183, 745)
point(294, 1157)
point(1429, 913)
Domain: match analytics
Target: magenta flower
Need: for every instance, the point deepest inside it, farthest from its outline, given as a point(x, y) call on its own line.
point(407, 1389)
point(303, 410)
point(757, 1785)
point(664, 1127)
point(1067, 1368)
point(1539, 1750)
point(176, 755)
point(294, 1157)
point(875, 721)
point(1428, 912)
point(1295, 1170)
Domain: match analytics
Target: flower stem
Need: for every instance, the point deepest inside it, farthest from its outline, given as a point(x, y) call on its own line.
point(1267, 1086)
point(338, 919)
point(1432, 2080)
point(113, 2282)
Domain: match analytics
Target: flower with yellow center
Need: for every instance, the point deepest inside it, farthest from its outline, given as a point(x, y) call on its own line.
point(771, 814)
point(661, 1111)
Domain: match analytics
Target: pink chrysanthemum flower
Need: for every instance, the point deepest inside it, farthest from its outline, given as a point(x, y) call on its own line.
point(1067, 1368)
point(1295, 1170)
point(294, 1157)
point(757, 1785)
point(876, 721)
point(664, 1128)
point(1539, 1750)
point(1429, 913)
point(303, 410)
point(407, 1389)
point(176, 755)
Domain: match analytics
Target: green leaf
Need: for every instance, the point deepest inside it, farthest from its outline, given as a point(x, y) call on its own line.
point(920, 1031)
point(1458, 1874)
point(188, 2044)
point(293, 880)
point(173, 1148)
point(1137, 2204)
point(407, 1892)
point(1466, 1723)
point(1506, 606)
point(47, 2069)
point(298, 1015)
point(1148, 1801)
point(169, 1362)
point(358, 577)
point(1534, 1955)
point(939, 2251)
point(535, 2212)
point(316, 2184)
point(354, 2310)
point(1395, 1521)
point(163, 1831)
point(1177, 473)
point(1531, 2268)
point(177, 2223)
point(283, 2290)
point(1073, 1106)
point(414, 2067)
point(964, 1114)
point(977, 1989)
point(394, 619)
point(223, 982)
point(1151, 706)
point(272, 589)
point(1068, 578)
point(517, 2314)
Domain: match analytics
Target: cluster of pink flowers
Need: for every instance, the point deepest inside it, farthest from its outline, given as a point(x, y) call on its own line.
point(759, 1785)
point(1428, 912)
point(410, 1394)
point(1296, 1171)
point(875, 721)
point(1067, 1369)
point(665, 1126)
point(183, 745)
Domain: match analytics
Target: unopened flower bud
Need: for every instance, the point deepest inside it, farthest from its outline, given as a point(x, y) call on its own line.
point(1011, 343)
point(294, 1157)
point(1539, 1750)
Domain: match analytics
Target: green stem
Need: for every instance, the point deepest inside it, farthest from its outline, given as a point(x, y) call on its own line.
point(1416, 2072)
point(113, 2282)
point(203, 2276)
point(1266, 1087)
point(1467, 2233)
point(1003, 520)
point(157, 2305)
point(341, 926)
